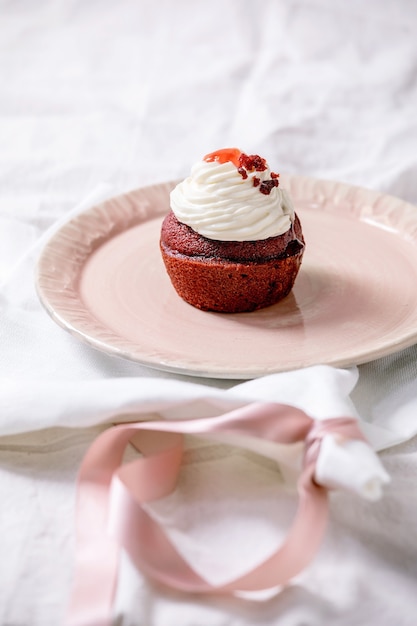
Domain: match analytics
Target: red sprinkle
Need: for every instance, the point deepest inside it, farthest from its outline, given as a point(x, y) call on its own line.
point(252, 162)
point(267, 186)
point(246, 163)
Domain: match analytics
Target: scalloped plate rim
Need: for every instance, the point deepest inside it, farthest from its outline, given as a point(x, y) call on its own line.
point(324, 188)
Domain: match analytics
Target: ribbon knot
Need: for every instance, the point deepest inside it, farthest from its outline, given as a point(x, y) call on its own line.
point(342, 427)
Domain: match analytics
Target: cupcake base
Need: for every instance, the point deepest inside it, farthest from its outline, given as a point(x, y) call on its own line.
point(230, 276)
point(230, 287)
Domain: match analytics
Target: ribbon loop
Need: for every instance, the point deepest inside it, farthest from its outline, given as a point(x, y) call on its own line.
point(110, 498)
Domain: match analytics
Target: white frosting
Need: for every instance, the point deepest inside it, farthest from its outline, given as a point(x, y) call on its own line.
point(218, 203)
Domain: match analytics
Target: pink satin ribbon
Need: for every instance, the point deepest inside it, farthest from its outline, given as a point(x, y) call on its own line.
point(111, 494)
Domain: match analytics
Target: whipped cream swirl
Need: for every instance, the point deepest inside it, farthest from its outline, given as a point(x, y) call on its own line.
point(217, 202)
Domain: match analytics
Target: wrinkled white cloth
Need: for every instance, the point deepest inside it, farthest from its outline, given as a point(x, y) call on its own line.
point(132, 93)
point(322, 392)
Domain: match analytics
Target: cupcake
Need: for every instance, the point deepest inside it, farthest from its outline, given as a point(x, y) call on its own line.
point(232, 241)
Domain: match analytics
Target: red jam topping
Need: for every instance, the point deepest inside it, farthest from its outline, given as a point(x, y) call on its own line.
point(224, 155)
point(245, 163)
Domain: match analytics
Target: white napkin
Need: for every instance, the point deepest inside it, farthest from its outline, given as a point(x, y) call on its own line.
point(321, 391)
point(220, 484)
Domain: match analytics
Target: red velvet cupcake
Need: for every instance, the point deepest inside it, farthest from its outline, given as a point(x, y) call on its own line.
point(232, 241)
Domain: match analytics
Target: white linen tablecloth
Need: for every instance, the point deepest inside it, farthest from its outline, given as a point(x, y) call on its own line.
point(98, 98)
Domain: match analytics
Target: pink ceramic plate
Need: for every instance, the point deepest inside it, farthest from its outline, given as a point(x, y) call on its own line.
point(355, 299)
